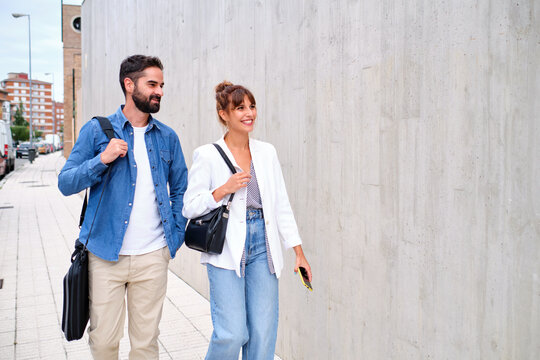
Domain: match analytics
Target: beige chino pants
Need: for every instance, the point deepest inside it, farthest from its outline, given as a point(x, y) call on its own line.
point(143, 278)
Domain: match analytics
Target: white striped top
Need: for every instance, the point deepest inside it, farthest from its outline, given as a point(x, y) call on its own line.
point(254, 202)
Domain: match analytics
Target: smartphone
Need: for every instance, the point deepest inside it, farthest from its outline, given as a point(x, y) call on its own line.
point(304, 278)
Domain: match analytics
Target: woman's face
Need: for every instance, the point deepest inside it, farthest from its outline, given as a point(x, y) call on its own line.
point(241, 118)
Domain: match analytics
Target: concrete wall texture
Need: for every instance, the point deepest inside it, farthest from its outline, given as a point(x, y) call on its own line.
point(409, 140)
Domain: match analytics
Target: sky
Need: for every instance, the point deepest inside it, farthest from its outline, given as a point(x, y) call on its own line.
point(46, 36)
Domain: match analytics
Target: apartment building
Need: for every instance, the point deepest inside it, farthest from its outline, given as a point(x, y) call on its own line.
point(17, 86)
point(58, 109)
point(5, 109)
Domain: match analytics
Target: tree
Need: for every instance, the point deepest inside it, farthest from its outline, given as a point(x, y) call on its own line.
point(19, 130)
point(18, 118)
point(20, 133)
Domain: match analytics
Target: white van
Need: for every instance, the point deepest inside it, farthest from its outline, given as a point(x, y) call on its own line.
point(7, 152)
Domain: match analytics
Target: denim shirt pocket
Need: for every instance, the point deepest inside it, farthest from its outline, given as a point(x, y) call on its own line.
point(165, 162)
point(166, 156)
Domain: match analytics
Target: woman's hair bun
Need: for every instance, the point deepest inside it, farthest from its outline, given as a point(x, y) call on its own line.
point(221, 86)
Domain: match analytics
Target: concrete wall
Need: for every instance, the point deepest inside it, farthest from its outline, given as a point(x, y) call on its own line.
point(409, 141)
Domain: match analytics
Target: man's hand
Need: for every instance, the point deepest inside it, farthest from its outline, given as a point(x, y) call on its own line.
point(116, 148)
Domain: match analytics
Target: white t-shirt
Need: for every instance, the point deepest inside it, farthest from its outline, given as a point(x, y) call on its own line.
point(144, 233)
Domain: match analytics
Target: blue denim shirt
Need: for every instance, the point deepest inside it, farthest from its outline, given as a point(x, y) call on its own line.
point(84, 169)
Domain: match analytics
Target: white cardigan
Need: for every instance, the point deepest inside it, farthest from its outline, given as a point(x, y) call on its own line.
point(209, 171)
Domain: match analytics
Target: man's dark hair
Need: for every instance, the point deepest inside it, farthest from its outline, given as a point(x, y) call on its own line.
point(133, 67)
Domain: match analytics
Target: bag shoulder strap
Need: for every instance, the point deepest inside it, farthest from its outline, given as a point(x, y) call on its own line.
point(231, 167)
point(107, 128)
point(226, 158)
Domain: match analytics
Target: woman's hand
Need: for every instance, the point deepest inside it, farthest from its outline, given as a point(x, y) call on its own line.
point(235, 183)
point(301, 261)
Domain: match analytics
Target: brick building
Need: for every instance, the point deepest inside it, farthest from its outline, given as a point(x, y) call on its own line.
point(71, 37)
point(59, 116)
point(5, 109)
point(17, 86)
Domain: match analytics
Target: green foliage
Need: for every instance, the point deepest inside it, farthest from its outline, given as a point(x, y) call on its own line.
point(18, 118)
point(37, 134)
point(20, 133)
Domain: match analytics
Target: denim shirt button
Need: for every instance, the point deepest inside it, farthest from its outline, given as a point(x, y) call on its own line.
point(135, 165)
point(156, 184)
point(129, 204)
point(160, 203)
point(125, 222)
point(165, 220)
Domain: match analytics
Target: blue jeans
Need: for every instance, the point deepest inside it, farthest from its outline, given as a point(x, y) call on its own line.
point(245, 310)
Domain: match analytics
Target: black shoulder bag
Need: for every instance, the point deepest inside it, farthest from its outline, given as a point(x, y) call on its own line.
point(207, 233)
point(75, 313)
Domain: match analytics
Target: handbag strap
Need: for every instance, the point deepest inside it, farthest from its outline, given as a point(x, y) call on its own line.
point(231, 167)
point(107, 128)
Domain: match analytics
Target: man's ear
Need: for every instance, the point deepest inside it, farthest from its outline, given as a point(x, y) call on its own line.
point(129, 85)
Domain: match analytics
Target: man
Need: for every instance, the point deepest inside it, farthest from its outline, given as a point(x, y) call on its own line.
point(138, 226)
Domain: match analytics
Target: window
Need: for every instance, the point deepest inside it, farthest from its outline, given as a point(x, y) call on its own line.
point(76, 24)
point(23, 99)
point(16, 91)
point(16, 98)
point(23, 91)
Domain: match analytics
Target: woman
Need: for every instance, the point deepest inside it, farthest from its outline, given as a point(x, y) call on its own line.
point(244, 277)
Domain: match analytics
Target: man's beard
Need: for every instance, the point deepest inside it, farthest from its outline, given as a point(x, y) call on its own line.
point(145, 105)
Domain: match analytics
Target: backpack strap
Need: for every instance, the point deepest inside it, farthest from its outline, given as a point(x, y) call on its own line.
point(107, 128)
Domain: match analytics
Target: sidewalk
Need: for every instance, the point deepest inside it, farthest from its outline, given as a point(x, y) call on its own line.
point(38, 227)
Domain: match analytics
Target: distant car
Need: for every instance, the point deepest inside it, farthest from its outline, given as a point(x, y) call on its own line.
point(22, 149)
point(43, 148)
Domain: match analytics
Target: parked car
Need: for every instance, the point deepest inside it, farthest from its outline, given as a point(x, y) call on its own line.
point(22, 149)
point(7, 152)
point(42, 148)
point(53, 139)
